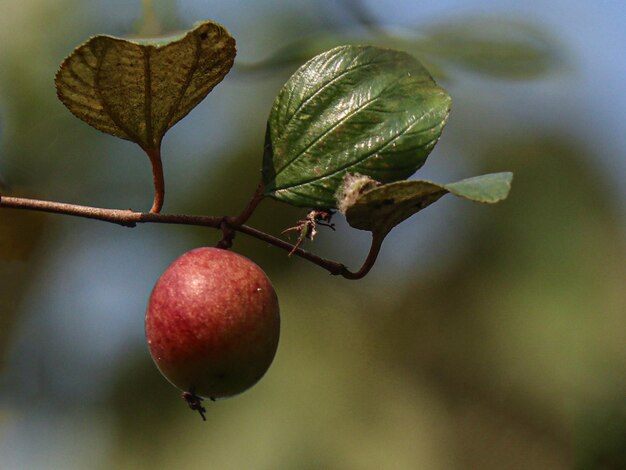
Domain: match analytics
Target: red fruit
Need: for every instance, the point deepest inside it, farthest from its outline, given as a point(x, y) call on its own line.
point(213, 323)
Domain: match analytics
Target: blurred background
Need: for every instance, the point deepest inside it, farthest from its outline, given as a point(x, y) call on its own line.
point(484, 338)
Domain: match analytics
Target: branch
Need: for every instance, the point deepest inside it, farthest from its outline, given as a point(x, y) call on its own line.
point(130, 218)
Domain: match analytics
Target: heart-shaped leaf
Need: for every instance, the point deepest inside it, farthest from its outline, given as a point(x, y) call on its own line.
point(138, 89)
point(380, 209)
point(353, 109)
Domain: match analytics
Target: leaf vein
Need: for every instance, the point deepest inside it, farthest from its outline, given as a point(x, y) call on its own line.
point(105, 105)
point(185, 87)
point(329, 83)
point(367, 155)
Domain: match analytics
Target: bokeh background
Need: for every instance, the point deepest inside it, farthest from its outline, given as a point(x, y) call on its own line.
point(484, 338)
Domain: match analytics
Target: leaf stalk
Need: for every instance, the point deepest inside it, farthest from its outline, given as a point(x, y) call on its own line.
point(159, 180)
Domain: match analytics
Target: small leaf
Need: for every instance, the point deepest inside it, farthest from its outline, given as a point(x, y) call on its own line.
point(487, 189)
point(384, 207)
point(138, 89)
point(380, 209)
point(353, 109)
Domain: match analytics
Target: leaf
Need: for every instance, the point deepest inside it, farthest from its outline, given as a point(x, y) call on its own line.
point(488, 189)
point(137, 90)
point(353, 109)
point(496, 47)
point(382, 208)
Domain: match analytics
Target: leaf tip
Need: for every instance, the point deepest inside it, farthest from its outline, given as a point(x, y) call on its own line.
point(507, 183)
point(487, 189)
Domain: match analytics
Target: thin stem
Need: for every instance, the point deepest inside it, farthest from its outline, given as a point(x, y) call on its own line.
point(130, 218)
point(335, 268)
point(250, 207)
point(159, 181)
point(377, 241)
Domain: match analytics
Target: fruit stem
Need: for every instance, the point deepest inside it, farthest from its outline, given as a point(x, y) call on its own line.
point(229, 223)
point(195, 403)
point(228, 234)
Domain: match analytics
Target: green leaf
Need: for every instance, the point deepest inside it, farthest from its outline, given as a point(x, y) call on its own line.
point(380, 209)
point(353, 109)
point(497, 47)
point(138, 89)
point(487, 189)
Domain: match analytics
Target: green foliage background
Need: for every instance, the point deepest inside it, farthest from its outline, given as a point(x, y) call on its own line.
point(485, 337)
